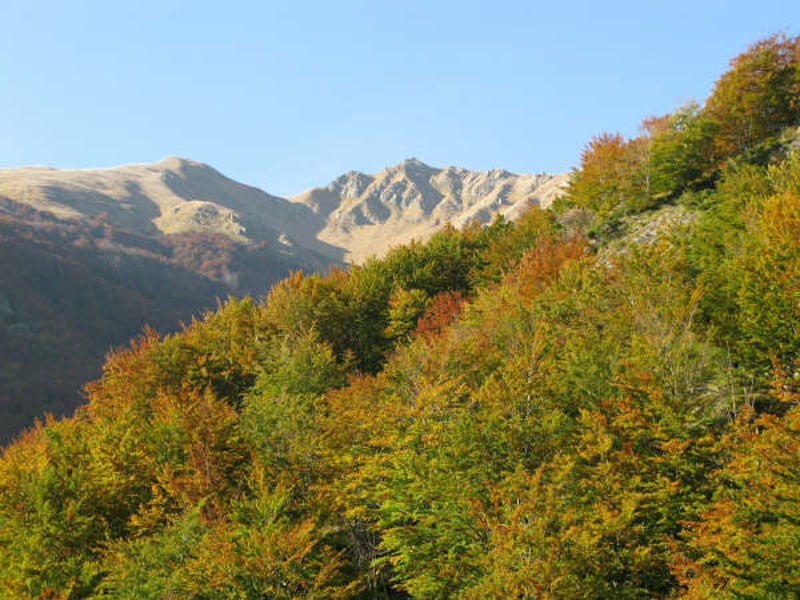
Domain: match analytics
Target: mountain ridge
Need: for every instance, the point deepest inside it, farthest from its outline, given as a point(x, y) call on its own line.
point(354, 216)
point(367, 213)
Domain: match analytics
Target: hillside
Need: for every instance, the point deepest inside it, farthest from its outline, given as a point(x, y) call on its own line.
point(71, 290)
point(174, 195)
point(597, 400)
point(89, 257)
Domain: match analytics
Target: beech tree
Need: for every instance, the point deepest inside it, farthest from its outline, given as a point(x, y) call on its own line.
point(757, 97)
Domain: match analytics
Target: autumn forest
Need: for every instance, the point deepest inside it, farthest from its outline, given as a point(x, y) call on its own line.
point(599, 401)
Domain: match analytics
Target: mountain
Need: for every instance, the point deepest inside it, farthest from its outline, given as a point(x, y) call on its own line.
point(70, 291)
point(174, 195)
point(89, 257)
point(368, 214)
point(353, 217)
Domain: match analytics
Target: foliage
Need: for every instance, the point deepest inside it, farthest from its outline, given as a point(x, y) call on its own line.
point(757, 97)
point(612, 178)
point(745, 544)
point(72, 289)
point(501, 412)
point(749, 107)
point(681, 155)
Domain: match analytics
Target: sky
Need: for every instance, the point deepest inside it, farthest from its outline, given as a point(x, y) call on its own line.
point(288, 95)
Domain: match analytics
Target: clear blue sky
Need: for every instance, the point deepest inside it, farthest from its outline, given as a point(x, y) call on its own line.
point(287, 95)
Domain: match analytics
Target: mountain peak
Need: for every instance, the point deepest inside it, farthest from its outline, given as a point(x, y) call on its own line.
point(413, 165)
point(350, 185)
point(369, 213)
point(176, 163)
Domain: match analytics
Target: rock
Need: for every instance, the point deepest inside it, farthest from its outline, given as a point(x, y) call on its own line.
point(368, 214)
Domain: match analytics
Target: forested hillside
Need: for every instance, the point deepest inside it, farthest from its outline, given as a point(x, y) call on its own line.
point(88, 257)
point(72, 289)
point(596, 401)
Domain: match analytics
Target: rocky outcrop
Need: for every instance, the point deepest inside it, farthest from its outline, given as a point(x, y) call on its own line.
point(646, 229)
point(368, 214)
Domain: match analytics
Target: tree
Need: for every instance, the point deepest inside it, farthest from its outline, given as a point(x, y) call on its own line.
point(681, 150)
point(757, 97)
point(746, 544)
point(612, 178)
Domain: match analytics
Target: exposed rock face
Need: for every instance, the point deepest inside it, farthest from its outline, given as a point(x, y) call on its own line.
point(355, 216)
point(646, 229)
point(202, 214)
point(368, 214)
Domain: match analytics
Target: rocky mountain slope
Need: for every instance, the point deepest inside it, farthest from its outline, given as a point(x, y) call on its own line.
point(367, 214)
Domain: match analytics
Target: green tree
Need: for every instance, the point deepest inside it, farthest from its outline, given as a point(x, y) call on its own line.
point(757, 97)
